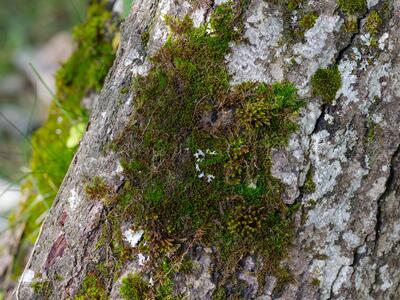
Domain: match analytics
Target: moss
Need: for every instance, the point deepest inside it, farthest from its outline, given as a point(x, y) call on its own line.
point(97, 189)
point(309, 185)
point(308, 20)
point(42, 289)
point(326, 83)
point(145, 37)
point(283, 276)
point(353, 7)
point(134, 287)
point(92, 288)
point(294, 4)
point(374, 22)
point(315, 282)
point(351, 24)
point(124, 90)
point(219, 294)
point(203, 172)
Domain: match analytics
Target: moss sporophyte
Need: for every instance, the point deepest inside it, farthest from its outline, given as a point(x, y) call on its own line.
point(197, 154)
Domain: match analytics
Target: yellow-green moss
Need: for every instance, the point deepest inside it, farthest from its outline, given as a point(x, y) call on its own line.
point(326, 83)
point(134, 287)
point(308, 20)
point(315, 282)
point(353, 7)
point(374, 22)
point(92, 288)
point(309, 185)
point(42, 289)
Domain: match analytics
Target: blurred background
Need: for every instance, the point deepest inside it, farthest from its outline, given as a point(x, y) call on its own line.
point(34, 37)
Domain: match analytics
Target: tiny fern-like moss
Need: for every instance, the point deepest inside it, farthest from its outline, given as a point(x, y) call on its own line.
point(197, 154)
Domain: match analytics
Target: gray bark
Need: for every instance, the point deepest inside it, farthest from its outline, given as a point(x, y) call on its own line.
point(350, 238)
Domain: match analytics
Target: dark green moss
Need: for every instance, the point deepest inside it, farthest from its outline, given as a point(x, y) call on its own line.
point(326, 83)
point(353, 7)
point(134, 287)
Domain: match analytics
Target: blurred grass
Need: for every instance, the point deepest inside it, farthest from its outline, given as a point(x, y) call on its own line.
point(31, 23)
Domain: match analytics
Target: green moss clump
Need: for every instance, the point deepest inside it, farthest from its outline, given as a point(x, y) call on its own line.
point(326, 83)
point(92, 288)
point(353, 7)
point(197, 155)
point(42, 289)
point(134, 287)
point(309, 185)
point(374, 22)
point(308, 20)
point(294, 4)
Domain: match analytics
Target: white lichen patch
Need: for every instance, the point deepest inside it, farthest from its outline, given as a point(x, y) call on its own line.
point(198, 17)
point(327, 155)
point(382, 41)
point(318, 36)
point(372, 3)
point(374, 80)
point(133, 237)
point(74, 200)
point(342, 280)
point(27, 276)
point(309, 118)
point(346, 69)
point(263, 30)
point(377, 189)
point(386, 278)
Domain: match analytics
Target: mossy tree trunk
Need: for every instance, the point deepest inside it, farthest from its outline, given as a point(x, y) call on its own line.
point(267, 209)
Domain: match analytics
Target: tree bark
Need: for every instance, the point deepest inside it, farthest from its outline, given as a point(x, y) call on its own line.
point(347, 240)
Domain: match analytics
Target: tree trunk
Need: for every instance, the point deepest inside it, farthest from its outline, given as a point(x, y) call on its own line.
point(341, 165)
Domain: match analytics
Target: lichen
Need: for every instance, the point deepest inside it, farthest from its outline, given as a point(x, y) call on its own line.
point(326, 83)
